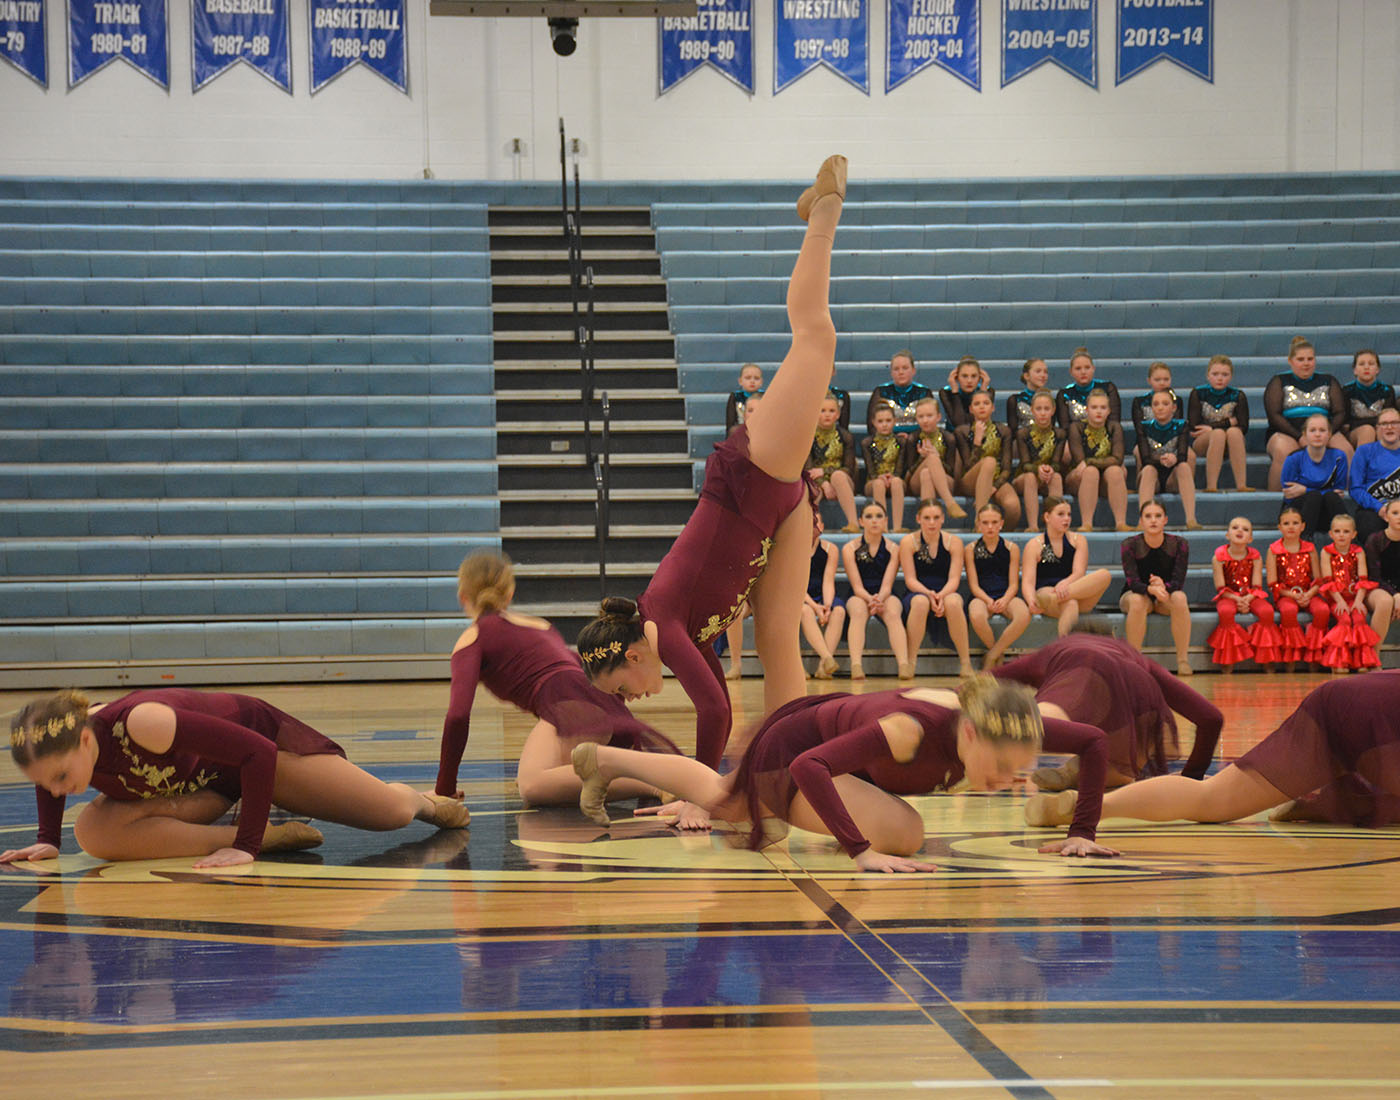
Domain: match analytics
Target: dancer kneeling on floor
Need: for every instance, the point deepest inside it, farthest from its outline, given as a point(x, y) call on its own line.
point(801, 767)
point(170, 762)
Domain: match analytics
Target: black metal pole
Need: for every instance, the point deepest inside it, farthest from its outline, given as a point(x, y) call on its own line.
point(603, 479)
point(563, 180)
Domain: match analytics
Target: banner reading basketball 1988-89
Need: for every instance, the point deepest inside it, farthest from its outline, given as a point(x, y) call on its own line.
point(808, 33)
point(100, 31)
point(23, 42)
point(946, 33)
point(345, 33)
point(225, 32)
point(1062, 32)
point(1179, 31)
point(720, 34)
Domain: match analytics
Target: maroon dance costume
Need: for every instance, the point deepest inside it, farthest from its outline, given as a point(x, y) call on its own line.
point(1106, 683)
point(803, 745)
point(1351, 643)
point(705, 578)
point(524, 661)
point(1293, 569)
point(225, 743)
point(1228, 642)
point(1338, 754)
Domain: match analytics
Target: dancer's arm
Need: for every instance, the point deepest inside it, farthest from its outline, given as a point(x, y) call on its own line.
point(1090, 744)
point(466, 674)
point(701, 677)
point(1199, 711)
point(45, 845)
point(1129, 559)
point(158, 728)
point(1338, 405)
point(1181, 559)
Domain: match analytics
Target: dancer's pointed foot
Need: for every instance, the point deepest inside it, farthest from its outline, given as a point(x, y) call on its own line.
point(831, 180)
point(906, 670)
point(1183, 668)
point(446, 812)
point(857, 671)
point(1063, 778)
point(291, 836)
point(1045, 811)
point(826, 669)
point(956, 510)
point(593, 799)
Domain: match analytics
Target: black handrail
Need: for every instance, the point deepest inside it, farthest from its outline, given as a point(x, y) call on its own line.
point(602, 480)
point(563, 180)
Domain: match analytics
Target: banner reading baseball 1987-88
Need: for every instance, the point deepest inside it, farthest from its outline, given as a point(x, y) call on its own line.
point(225, 32)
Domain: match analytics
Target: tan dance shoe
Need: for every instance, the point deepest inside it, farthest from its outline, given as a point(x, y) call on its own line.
point(1045, 811)
point(291, 836)
point(857, 671)
point(826, 669)
point(593, 799)
point(956, 510)
point(906, 671)
point(831, 180)
point(446, 812)
point(1063, 778)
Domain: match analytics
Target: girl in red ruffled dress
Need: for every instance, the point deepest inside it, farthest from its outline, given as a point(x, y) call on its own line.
point(1351, 644)
point(1293, 580)
point(1238, 570)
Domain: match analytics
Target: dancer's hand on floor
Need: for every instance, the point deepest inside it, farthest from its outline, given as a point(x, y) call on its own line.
point(871, 860)
point(34, 851)
point(1077, 846)
point(687, 815)
point(224, 857)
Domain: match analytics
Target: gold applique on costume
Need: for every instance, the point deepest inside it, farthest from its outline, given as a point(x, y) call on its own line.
point(1098, 442)
point(717, 624)
point(158, 781)
point(828, 445)
point(885, 448)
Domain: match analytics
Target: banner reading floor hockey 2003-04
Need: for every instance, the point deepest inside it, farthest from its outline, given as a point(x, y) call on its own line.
point(720, 34)
point(1181, 32)
point(358, 32)
point(23, 42)
point(225, 32)
point(808, 33)
point(1063, 32)
point(946, 33)
point(100, 31)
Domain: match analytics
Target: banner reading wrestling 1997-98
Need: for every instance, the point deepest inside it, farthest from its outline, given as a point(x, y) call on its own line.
point(809, 33)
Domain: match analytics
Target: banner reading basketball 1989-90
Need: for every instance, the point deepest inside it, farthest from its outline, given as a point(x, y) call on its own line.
point(946, 33)
point(225, 32)
point(720, 34)
point(1062, 32)
point(100, 31)
point(345, 33)
point(808, 33)
point(1180, 31)
point(23, 42)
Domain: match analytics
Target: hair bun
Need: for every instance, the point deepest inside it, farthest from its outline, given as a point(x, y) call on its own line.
point(619, 607)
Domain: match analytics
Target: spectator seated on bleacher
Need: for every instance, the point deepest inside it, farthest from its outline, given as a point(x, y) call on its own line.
point(1293, 396)
point(1375, 474)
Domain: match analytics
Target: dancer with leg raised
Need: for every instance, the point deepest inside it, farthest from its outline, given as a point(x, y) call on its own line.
point(750, 537)
point(801, 767)
point(1335, 759)
point(170, 762)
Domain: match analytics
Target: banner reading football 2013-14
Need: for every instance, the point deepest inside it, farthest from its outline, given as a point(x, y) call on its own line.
point(358, 32)
point(1063, 32)
point(225, 32)
point(946, 33)
point(100, 31)
point(808, 33)
point(719, 34)
point(23, 42)
point(1180, 31)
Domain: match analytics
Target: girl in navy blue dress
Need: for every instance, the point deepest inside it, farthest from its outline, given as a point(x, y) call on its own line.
point(823, 611)
point(931, 561)
point(993, 567)
point(1218, 415)
point(871, 562)
point(1055, 577)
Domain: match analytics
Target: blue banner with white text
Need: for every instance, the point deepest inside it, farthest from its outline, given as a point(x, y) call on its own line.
point(100, 31)
point(1062, 32)
point(1181, 32)
point(358, 32)
point(23, 42)
point(946, 33)
point(225, 32)
point(809, 33)
point(719, 34)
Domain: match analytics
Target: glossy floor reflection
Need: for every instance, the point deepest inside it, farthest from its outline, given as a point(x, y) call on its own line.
point(540, 956)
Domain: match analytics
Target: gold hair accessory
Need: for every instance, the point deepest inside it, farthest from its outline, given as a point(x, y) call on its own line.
point(52, 728)
point(601, 652)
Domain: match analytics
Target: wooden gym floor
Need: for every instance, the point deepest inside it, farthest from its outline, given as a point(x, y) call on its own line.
point(540, 957)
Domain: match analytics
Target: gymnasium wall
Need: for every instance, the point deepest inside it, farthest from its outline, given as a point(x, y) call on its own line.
point(1301, 85)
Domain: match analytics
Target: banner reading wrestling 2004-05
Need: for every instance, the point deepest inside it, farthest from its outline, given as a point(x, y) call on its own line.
point(946, 33)
point(808, 33)
point(225, 32)
point(1181, 32)
point(100, 31)
point(358, 32)
point(23, 41)
point(720, 34)
point(1062, 32)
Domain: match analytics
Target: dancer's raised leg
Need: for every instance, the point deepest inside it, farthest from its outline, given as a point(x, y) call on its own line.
point(777, 599)
point(1228, 795)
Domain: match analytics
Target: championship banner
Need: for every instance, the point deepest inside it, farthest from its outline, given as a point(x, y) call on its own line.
point(808, 33)
point(719, 34)
point(100, 31)
point(1059, 31)
point(23, 42)
point(225, 32)
point(1182, 32)
point(946, 33)
point(358, 32)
